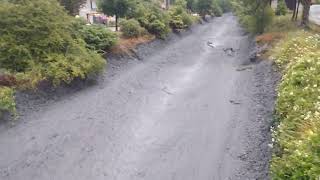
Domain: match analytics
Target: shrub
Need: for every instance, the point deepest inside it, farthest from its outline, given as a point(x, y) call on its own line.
point(217, 11)
point(297, 134)
point(131, 28)
point(176, 22)
point(204, 7)
point(179, 18)
point(281, 8)
point(97, 37)
point(254, 17)
point(187, 19)
point(152, 18)
point(191, 5)
point(158, 28)
point(225, 5)
point(37, 38)
point(7, 102)
point(281, 24)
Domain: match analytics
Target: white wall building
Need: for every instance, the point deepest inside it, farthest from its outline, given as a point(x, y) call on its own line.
point(89, 12)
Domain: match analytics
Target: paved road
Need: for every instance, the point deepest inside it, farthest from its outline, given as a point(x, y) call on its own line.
point(190, 111)
point(315, 14)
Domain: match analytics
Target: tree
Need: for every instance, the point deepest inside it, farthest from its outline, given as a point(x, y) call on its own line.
point(72, 6)
point(305, 13)
point(295, 6)
point(118, 8)
point(191, 5)
point(255, 15)
point(281, 8)
point(204, 7)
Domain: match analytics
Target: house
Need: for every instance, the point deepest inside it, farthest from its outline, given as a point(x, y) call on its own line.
point(89, 12)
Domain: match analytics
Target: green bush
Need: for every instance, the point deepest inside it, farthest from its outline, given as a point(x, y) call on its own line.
point(281, 8)
point(217, 11)
point(7, 101)
point(38, 40)
point(191, 5)
point(97, 37)
point(187, 19)
point(152, 18)
point(179, 18)
point(131, 28)
point(254, 17)
point(225, 5)
point(297, 133)
point(204, 7)
point(281, 24)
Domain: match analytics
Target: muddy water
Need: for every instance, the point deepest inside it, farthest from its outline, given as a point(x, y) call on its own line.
point(185, 112)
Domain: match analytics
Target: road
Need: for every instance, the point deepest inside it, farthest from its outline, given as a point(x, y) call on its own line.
point(192, 110)
point(315, 14)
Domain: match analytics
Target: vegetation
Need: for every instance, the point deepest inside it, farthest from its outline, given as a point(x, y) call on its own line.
point(97, 37)
point(253, 15)
point(38, 42)
point(7, 102)
point(131, 28)
point(179, 18)
point(117, 8)
point(281, 8)
point(191, 5)
point(152, 18)
point(297, 135)
point(72, 6)
point(204, 7)
point(224, 5)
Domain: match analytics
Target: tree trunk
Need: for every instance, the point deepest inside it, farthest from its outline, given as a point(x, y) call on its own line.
point(305, 12)
point(117, 18)
point(167, 4)
point(294, 11)
point(297, 11)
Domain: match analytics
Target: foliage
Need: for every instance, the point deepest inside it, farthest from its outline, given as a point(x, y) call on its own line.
point(225, 5)
point(282, 24)
point(131, 28)
point(191, 5)
point(204, 7)
point(7, 101)
point(297, 135)
point(209, 7)
point(72, 6)
point(216, 9)
point(152, 18)
point(119, 8)
point(179, 18)
point(37, 41)
point(114, 7)
point(97, 37)
point(255, 16)
point(281, 8)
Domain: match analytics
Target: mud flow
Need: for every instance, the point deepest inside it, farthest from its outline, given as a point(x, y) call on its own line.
point(192, 108)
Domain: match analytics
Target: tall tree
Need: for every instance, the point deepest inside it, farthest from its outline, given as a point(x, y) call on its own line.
point(204, 7)
point(117, 8)
point(305, 13)
point(72, 6)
